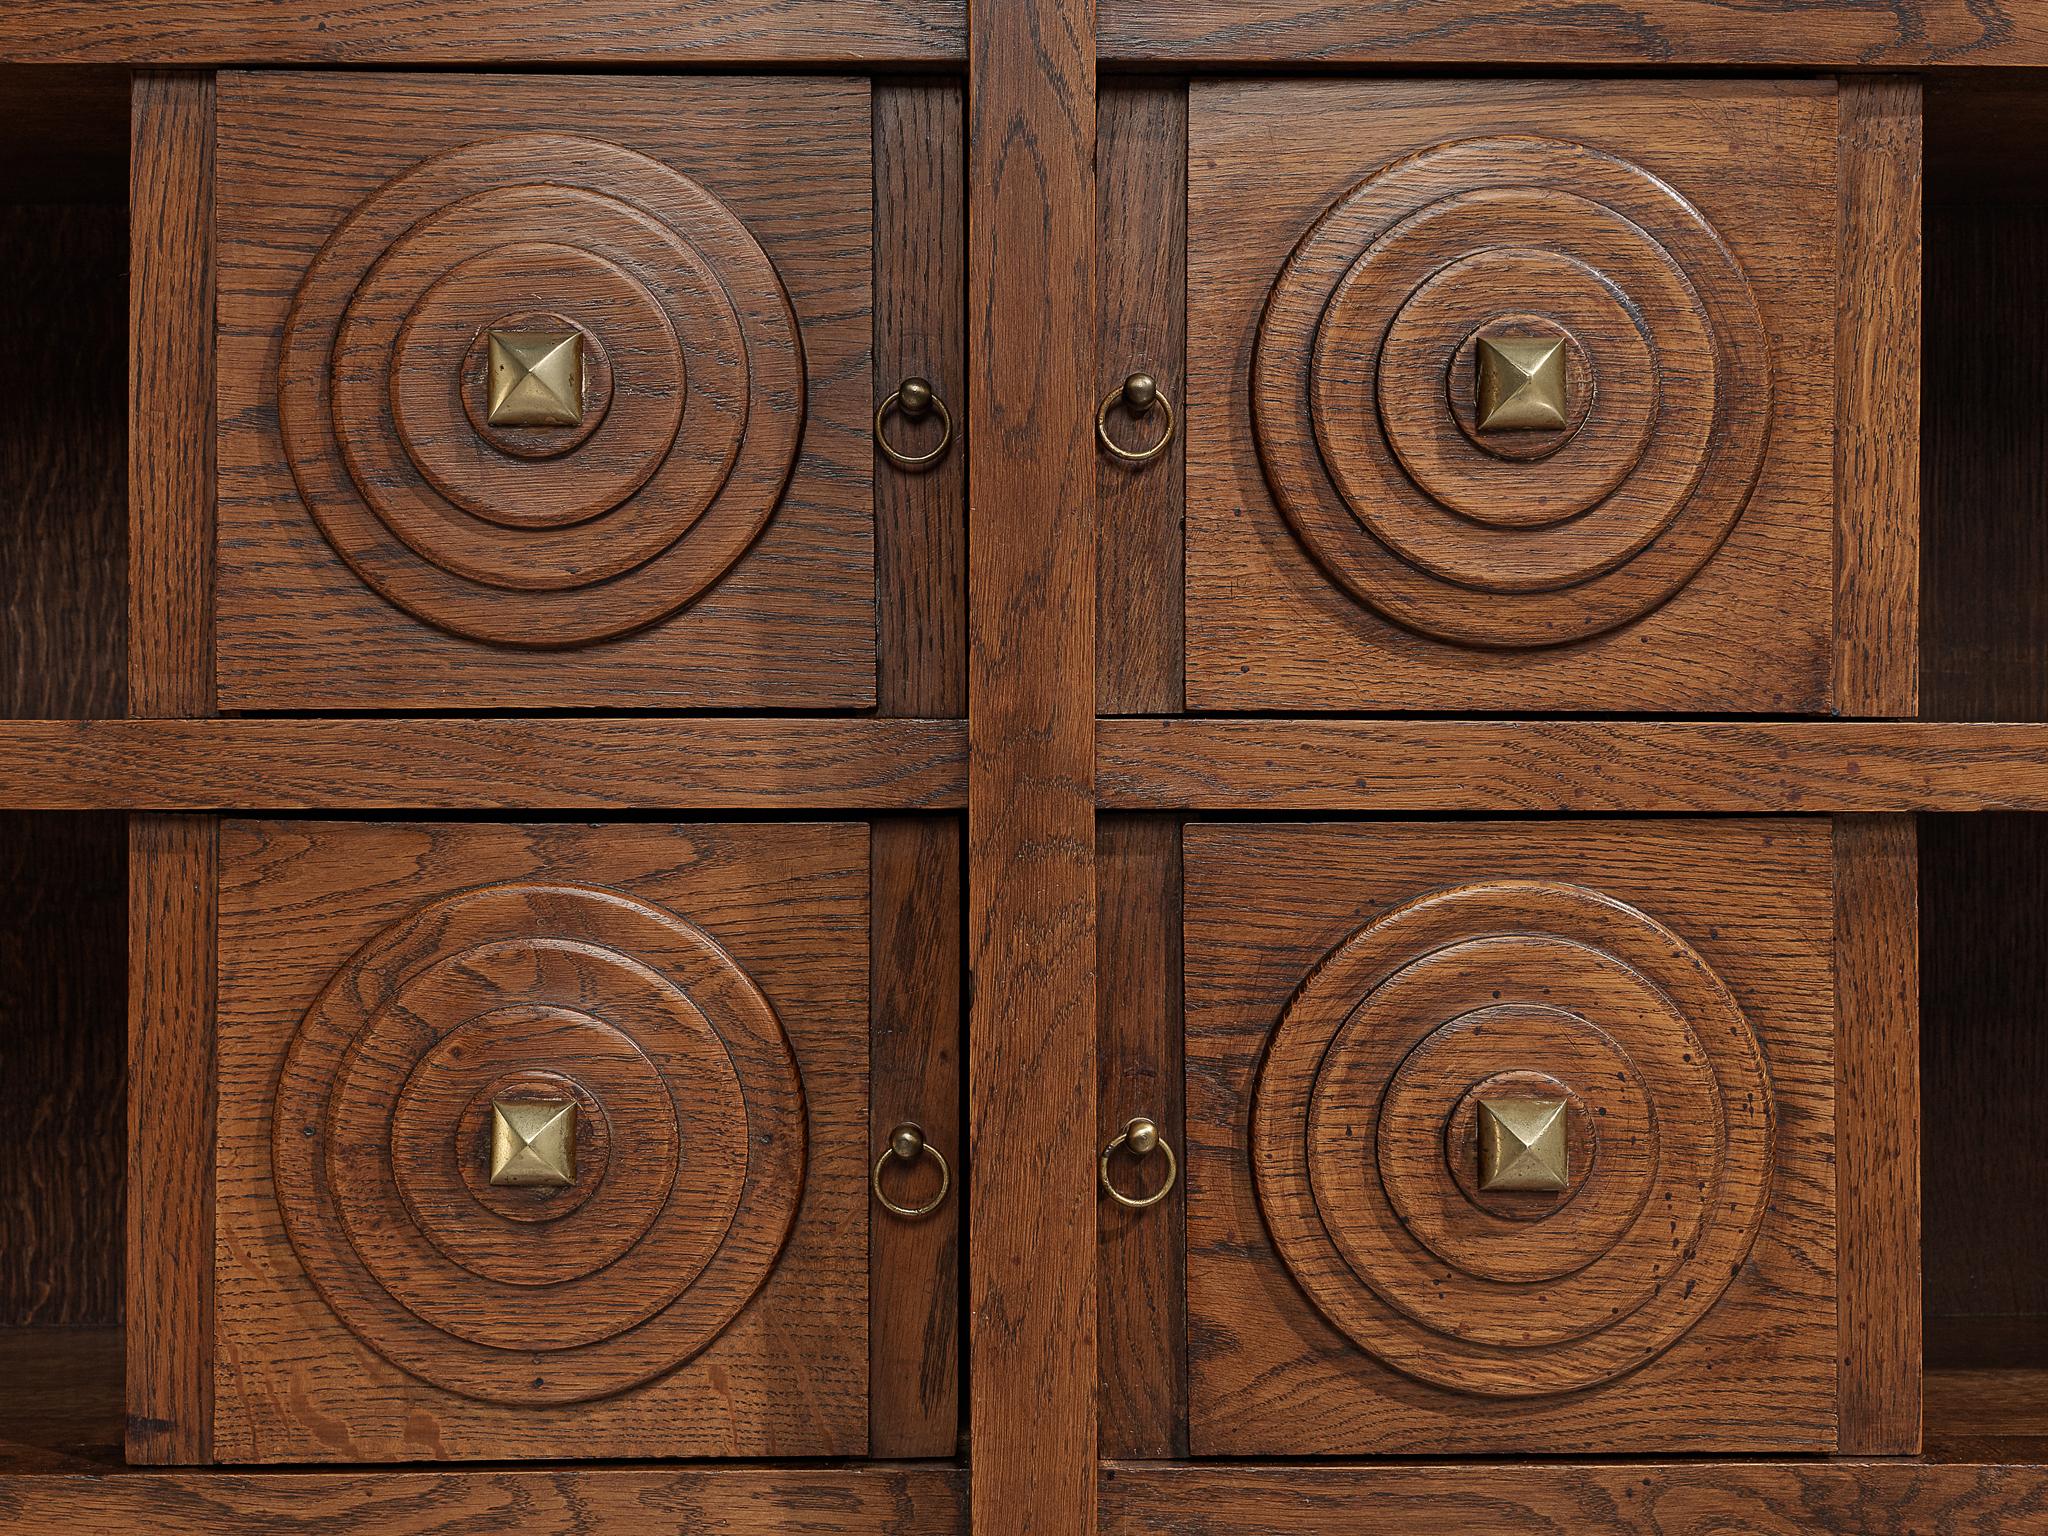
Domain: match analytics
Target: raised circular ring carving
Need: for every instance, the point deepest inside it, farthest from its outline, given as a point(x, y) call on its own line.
point(693, 393)
point(1363, 1119)
point(1511, 539)
point(690, 1142)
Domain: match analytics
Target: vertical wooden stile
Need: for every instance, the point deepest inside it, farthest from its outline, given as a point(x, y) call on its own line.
point(1877, 427)
point(1031, 801)
point(170, 858)
point(1877, 1133)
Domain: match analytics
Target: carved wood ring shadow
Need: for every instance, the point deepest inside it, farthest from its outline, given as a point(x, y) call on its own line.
point(1362, 1140)
point(524, 535)
point(690, 1142)
point(1378, 453)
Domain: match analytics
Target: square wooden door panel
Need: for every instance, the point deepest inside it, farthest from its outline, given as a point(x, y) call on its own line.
point(544, 391)
point(661, 1250)
point(1363, 1000)
point(1511, 395)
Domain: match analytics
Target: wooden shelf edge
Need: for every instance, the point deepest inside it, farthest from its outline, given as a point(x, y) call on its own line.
point(1644, 34)
point(1766, 1498)
point(753, 1500)
point(1295, 765)
point(194, 34)
point(586, 763)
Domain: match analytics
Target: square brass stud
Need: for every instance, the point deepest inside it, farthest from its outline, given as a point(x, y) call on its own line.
point(1522, 1144)
point(533, 1142)
point(1521, 383)
point(536, 378)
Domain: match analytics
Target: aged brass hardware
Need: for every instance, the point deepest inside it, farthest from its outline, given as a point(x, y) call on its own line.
point(1521, 383)
point(915, 399)
point(536, 378)
point(1140, 1136)
point(907, 1144)
point(533, 1142)
point(1140, 396)
point(1522, 1144)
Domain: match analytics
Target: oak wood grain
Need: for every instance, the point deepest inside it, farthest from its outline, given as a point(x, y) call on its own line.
point(774, 1326)
point(1141, 309)
point(1664, 613)
point(914, 1046)
point(62, 931)
point(200, 33)
point(587, 763)
point(1570, 765)
point(63, 538)
point(1141, 1272)
point(595, 1501)
point(1985, 630)
point(64, 1414)
point(63, 621)
point(1685, 1498)
point(1877, 404)
point(172, 935)
point(921, 332)
point(1636, 1364)
point(766, 181)
point(1877, 1146)
point(1031, 764)
point(1659, 34)
point(171, 397)
point(1983, 892)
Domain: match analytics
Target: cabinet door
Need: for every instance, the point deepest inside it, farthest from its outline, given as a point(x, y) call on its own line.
point(545, 1140)
point(1511, 395)
point(1508, 1137)
point(540, 392)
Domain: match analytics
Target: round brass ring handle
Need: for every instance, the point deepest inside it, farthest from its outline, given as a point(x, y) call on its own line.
point(915, 399)
point(1142, 1136)
point(1140, 395)
point(907, 1143)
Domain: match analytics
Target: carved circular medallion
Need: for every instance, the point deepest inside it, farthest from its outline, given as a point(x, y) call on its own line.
point(1364, 1147)
point(1538, 533)
point(685, 408)
point(689, 1142)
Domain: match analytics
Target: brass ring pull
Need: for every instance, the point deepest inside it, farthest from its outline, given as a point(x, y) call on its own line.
point(1140, 395)
point(915, 399)
point(1142, 1136)
point(907, 1144)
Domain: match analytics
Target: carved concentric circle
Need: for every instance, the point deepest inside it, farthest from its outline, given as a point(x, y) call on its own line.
point(1364, 1148)
point(693, 391)
point(1363, 396)
point(690, 1142)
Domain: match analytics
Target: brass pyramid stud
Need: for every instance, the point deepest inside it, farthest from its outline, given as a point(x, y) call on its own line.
point(1522, 1144)
point(533, 1142)
point(536, 378)
point(1521, 383)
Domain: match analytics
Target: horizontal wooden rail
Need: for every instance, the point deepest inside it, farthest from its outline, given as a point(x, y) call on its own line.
point(1643, 34)
point(1378, 766)
point(1788, 1498)
point(610, 764)
point(195, 34)
point(905, 1499)
point(1283, 766)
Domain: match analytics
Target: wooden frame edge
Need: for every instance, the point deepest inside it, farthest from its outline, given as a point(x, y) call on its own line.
point(1877, 400)
point(1877, 1134)
point(173, 877)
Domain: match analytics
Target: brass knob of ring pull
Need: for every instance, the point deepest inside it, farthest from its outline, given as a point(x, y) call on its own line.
point(914, 399)
point(1524, 1144)
point(1140, 395)
point(907, 1145)
point(1141, 1137)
